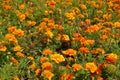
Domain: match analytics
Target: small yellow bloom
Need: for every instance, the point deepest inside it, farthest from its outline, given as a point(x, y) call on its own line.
point(57, 58)
point(17, 48)
point(3, 48)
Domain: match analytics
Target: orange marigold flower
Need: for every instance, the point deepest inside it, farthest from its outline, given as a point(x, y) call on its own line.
point(65, 38)
point(11, 37)
point(21, 17)
point(91, 66)
point(47, 66)
point(14, 61)
point(18, 32)
point(21, 6)
point(76, 67)
point(70, 52)
point(38, 71)
point(20, 54)
point(30, 58)
point(15, 78)
point(117, 24)
point(82, 6)
point(47, 74)
point(32, 66)
point(112, 57)
point(43, 59)
point(17, 48)
point(32, 23)
point(57, 58)
point(11, 29)
point(46, 52)
point(99, 78)
point(49, 34)
point(66, 77)
point(3, 48)
point(84, 50)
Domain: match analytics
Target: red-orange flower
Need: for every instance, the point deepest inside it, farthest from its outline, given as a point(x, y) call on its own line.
point(84, 50)
point(112, 57)
point(70, 52)
point(47, 66)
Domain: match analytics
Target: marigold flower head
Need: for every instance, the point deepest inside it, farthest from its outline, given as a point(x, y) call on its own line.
point(82, 6)
point(43, 59)
point(46, 52)
point(84, 50)
point(57, 58)
point(32, 66)
point(14, 61)
point(76, 67)
point(11, 29)
point(17, 48)
point(11, 37)
point(47, 66)
point(70, 52)
point(49, 34)
point(47, 74)
point(30, 58)
point(91, 66)
point(18, 32)
point(117, 24)
point(38, 71)
point(65, 38)
point(21, 6)
point(20, 54)
point(112, 57)
point(21, 17)
point(31, 23)
point(3, 48)
point(66, 77)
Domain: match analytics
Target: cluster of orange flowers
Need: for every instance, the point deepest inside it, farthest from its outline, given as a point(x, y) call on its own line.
point(61, 37)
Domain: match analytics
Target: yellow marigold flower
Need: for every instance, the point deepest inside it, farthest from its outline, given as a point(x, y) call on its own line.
point(70, 52)
point(32, 66)
point(3, 48)
point(117, 24)
point(112, 57)
point(47, 74)
point(18, 32)
point(38, 71)
point(46, 52)
point(49, 34)
point(31, 58)
point(91, 66)
point(11, 29)
point(32, 23)
point(17, 48)
point(14, 61)
point(20, 54)
point(65, 38)
point(47, 66)
point(57, 58)
point(76, 67)
point(43, 59)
